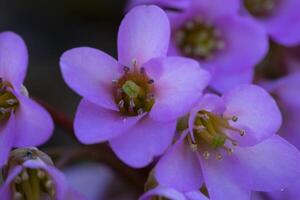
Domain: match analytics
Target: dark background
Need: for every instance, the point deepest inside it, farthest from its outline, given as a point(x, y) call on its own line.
point(50, 27)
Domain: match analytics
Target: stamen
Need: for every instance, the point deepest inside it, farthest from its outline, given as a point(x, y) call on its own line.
point(121, 103)
point(203, 116)
point(18, 180)
point(126, 69)
point(49, 184)
point(24, 175)
point(41, 174)
point(17, 196)
point(206, 155)
point(140, 111)
point(131, 103)
point(114, 81)
point(11, 101)
point(234, 118)
point(242, 132)
point(219, 156)
point(199, 127)
point(151, 81)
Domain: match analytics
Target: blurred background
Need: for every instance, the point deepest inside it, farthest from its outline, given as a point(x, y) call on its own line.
point(50, 27)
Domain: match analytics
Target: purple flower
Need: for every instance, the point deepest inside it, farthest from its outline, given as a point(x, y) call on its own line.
point(226, 44)
point(161, 192)
point(32, 177)
point(22, 121)
point(134, 102)
point(280, 18)
point(231, 147)
point(287, 94)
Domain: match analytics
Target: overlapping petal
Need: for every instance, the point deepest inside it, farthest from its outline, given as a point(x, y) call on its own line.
point(140, 144)
point(90, 73)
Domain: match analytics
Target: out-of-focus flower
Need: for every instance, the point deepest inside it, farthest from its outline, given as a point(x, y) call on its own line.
point(161, 192)
point(133, 102)
point(286, 92)
point(231, 147)
point(22, 121)
point(226, 44)
point(30, 175)
point(280, 18)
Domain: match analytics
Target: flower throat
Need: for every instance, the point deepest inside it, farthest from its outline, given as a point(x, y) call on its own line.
point(209, 133)
point(134, 92)
point(199, 39)
point(8, 101)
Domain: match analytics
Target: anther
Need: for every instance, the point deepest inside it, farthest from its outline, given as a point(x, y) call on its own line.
point(150, 96)
point(17, 196)
point(41, 174)
point(114, 81)
point(203, 116)
point(134, 62)
point(126, 69)
point(234, 118)
point(140, 111)
point(199, 127)
point(234, 142)
point(242, 132)
point(131, 104)
point(24, 175)
point(206, 155)
point(229, 151)
point(121, 103)
point(142, 70)
point(219, 156)
point(18, 180)
point(49, 184)
point(150, 81)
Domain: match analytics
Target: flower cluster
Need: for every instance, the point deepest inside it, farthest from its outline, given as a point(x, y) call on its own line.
point(181, 96)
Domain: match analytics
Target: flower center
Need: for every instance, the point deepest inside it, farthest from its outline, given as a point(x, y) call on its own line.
point(261, 8)
point(134, 92)
point(8, 101)
point(199, 39)
point(33, 184)
point(209, 132)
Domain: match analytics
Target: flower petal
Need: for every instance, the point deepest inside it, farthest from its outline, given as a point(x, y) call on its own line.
point(179, 168)
point(220, 181)
point(90, 72)
point(223, 80)
point(283, 25)
point(5, 189)
point(271, 165)
point(143, 34)
point(94, 124)
point(142, 142)
point(7, 136)
point(257, 112)
point(33, 124)
point(162, 191)
point(195, 195)
point(179, 83)
point(13, 58)
point(241, 35)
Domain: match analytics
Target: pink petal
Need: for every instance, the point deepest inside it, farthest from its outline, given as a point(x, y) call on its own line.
point(90, 73)
point(140, 144)
point(94, 124)
point(13, 58)
point(143, 34)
